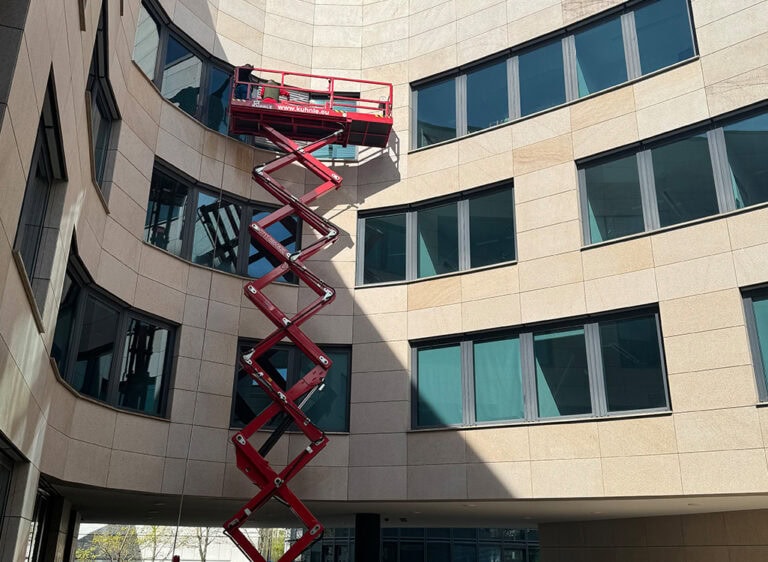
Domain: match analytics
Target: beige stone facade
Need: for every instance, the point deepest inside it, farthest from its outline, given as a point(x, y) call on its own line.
point(700, 465)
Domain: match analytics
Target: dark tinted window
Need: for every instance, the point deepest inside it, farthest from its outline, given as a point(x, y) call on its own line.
point(491, 228)
point(384, 257)
point(218, 99)
point(29, 236)
point(747, 145)
point(329, 408)
point(98, 336)
point(663, 34)
point(542, 82)
point(62, 337)
point(614, 204)
point(438, 240)
point(260, 261)
point(164, 223)
point(436, 113)
point(685, 185)
point(600, 60)
point(487, 96)
point(145, 353)
point(217, 233)
point(562, 379)
point(181, 76)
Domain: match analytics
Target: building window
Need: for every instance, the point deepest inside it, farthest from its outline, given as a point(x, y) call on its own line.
point(601, 53)
point(286, 364)
point(717, 168)
point(206, 227)
point(110, 352)
point(146, 42)
point(6, 470)
point(756, 307)
point(599, 367)
point(475, 230)
point(38, 228)
point(181, 75)
point(104, 110)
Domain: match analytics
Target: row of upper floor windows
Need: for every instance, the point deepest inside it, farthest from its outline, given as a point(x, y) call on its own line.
point(634, 41)
point(711, 168)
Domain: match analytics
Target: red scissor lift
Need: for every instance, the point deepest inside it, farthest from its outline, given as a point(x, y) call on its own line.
point(298, 121)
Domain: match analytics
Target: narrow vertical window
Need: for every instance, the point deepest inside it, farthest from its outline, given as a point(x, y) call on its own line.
point(632, 364)
point(438, 240)
point(436, 112)
point(487, 96)
point(614, 203)
point(664, 34)
point(181, 76)
point(65, 324)
point(498, 380)
point(542, 79)
point(217, 97)
point(145, 353)
point(98, 336)
point(439, 386)
point(600, 61)
point(384, 255)
point(747, 144)
point(146, 43)
point(491, 228)
point(164, 222)
point(562, 378)
point(760, 308)
point(685, 183)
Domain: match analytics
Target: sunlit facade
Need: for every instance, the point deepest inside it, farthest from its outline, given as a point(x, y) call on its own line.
point(552, 285)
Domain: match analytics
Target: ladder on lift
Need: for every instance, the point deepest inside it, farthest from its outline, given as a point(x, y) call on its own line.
point(264, 104)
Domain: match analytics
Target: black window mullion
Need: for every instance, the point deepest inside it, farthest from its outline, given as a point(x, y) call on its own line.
point(648, 190)
point(596, 371)
point(726, 200)
point(528, 372)
point(631, 49)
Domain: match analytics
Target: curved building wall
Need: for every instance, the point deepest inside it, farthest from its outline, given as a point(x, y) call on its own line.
point(711, 442)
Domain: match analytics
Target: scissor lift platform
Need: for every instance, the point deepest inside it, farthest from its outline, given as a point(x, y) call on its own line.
point(262, 97)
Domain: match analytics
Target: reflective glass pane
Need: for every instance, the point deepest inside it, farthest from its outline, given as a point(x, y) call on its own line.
point(163, 226)
point(384, 255)
point(614, 203)
point(29, 235)
point(491, 228)
point(260, 261)
point(181, 76)
point(663, 34)
point(438, 552)
point(98, 330)
point(217, 233)
point(600, 61)
point(101, 126)
point(760, 307)
point(436, 112)
point(146, 42)
point(487, 96)
point(438, 238)
point(250, 399)
point(439, 386)
point(562, 380)
point(464, 553)
point(143, 368)
point(328, 409)
point(542, 82)
point(685, 185)
point(62, 336)
point(490, 554)
point(634, 379)
point(217, 98)
point(498, 380)
point(515, 555)
point(747, 144)
point(411, 552)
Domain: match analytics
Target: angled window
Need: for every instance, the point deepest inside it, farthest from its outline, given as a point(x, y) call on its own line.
point(609, 365)
point(474, 230)
point(286, 364)
point(39, 221)
point(103, 105)
point(664, 34)
point(205, 227)
point(716, 168)
point(110, 352)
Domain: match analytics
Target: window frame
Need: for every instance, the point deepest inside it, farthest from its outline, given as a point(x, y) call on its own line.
point(125, 313)
point(566, 36)
point(713, 129)
point(248, 208)
point(525, 334)
point(294, 374)
point(759, 370)
point(462, 200)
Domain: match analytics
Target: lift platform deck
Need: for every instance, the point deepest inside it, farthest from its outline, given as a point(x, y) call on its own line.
point(262, 97)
